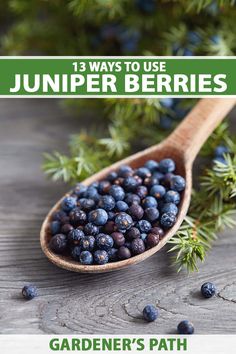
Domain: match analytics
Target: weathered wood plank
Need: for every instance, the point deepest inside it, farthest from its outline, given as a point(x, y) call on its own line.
point(75, 303)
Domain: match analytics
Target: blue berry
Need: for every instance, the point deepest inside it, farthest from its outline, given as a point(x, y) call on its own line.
point(75, 236)
point(167, 102)
point(80, 190)
point(221, 150)
point(149, 202)
point(147, 6)
point(104, 242)
point(185, 327)
point(170, 208)
point(92, 193)
point(112, 176)
point(98, 217)
point(168, 220)
point(59, 215)
point(107, 202)
point(166, 122)
point(86, 258)
point(220, 159)
point(151, 165)
point(111, 215)
point(194, 37)
point(75, 253)
point(172, 197)
point(167, 165)
point(117, 192)
point(143, 172)
point(150, 313)
point(130, 184)
point(29, 292)
point(58, 243)
point(121, 206)
point(68, 203)
point(158, 191)
point(152, 214)
point(123, 221)
point(101, 257)
point(87, 243)
point(55, 227)
point(187, 52)
point(144, 226)
point(86, 204)
point(143, 237)
point(137, 246)
point(90, 229)
point(208, 290)
point(177, 183)
point(125, 171)
point(77, 217)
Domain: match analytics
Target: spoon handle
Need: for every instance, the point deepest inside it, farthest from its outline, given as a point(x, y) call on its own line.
point(192, 133)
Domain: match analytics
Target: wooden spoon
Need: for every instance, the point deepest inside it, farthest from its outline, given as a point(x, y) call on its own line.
point(182, 145)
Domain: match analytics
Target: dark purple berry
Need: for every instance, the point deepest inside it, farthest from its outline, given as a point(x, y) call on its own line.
point(29, 292)
point(158, 231)
point(133, 233)
point(59, 215)
point(151, 181)
point(131, 198)
point(86, 204)
point(118, 239)
point(109, 227)
point(66, 228)
point(152, 240)
point(104, 187)
point(58, 243)
point(124, 253)
point(136, 212)
point(113, 254)
point(78, 217)
point(130, 184)
point(165, 181)
point(137, 246)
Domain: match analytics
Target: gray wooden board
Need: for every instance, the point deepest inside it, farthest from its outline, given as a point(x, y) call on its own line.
point(74, 303)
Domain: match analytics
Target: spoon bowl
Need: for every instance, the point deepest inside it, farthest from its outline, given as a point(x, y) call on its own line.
point(182, 146)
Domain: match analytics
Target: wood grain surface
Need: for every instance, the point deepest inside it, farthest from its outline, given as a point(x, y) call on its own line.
point(78, 303)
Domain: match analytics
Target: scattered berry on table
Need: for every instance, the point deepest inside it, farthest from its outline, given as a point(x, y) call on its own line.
point(123, 215)
point(29, 292)
point(150, 313)
point(185, 327)
point(208, 290)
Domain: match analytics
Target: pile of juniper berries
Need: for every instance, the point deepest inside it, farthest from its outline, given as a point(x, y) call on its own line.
point(120, 216)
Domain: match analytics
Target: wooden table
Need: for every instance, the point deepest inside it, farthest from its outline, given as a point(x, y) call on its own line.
point(75, 303)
